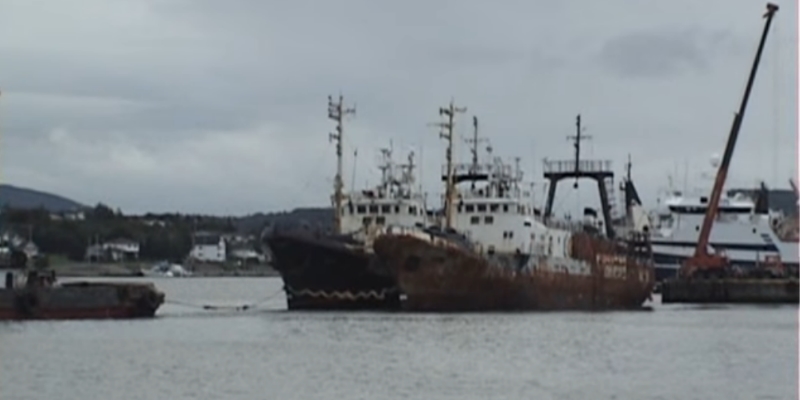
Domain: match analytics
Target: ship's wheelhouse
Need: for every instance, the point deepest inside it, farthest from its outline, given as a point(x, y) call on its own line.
point(366, 209)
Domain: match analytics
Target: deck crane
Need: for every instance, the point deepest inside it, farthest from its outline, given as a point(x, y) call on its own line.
point(702, 260)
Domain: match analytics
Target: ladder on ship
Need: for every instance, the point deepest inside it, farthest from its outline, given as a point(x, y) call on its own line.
point(613, 212)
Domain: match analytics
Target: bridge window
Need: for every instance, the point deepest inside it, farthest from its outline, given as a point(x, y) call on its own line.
point(526, 223)
point(361, 209)
point(412, 210)
point(397, 209)
point(493, 207)
point(470, 208)
point(366, 221)
point(481, 207)
point(475, 220)
point(488, 219)
point(386, 209)
point(510, 234)
point(380, 220)
point(373, 209)
point(505, 208)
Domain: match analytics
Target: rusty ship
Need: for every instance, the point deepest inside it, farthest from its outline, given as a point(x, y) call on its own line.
point(33, 293)
point(715, 277)
point(494, 251)
point(334, 270)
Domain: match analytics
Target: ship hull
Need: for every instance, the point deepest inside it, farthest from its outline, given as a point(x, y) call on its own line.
point(439, 277)
point(81, 300)
point(328, 273)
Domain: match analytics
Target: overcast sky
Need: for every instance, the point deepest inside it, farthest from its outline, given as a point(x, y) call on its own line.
point(220, 106)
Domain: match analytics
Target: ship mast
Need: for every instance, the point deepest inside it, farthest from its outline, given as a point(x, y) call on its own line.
point(473, 142)
point(336, 112)
point(410, 167)
point(446, 133)
point(577, 138)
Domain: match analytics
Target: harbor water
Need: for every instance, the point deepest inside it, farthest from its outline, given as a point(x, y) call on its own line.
point(186, 352)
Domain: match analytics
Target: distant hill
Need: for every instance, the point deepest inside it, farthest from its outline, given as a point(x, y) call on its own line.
point(314, 217)
point(18, 197)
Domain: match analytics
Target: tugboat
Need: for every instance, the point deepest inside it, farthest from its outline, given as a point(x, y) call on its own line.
point(33, 293)
point(501, 256)
point(335, 271)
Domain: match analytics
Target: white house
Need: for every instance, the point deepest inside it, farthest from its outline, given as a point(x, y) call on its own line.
point(113, 250)
point(154, 222)
point(126, 246)
point(208, 247)
point(76, 215)
point(12, 238)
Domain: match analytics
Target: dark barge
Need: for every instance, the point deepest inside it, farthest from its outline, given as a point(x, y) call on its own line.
point(35, 294)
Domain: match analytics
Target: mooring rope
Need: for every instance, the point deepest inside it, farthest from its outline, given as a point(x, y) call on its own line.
point(242, 307)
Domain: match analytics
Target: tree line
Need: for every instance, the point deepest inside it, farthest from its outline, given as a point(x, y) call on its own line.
point(160, 236)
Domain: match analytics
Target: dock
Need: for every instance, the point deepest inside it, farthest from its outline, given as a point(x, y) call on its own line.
point(731, 290)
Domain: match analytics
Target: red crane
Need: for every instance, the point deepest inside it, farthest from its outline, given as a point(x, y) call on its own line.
point(702, 259)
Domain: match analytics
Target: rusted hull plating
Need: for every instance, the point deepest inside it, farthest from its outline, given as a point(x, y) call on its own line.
point(445, 278)
point(81, 300)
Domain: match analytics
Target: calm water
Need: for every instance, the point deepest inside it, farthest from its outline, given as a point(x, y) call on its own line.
point(684, 352)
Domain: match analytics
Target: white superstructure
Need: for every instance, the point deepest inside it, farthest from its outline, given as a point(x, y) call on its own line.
point(746, 236)
point(742, 232)
point(394, 201)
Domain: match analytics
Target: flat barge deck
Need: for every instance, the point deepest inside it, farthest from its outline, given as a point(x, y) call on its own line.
point(731, 290)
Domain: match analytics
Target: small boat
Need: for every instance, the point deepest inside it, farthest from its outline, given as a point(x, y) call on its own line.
point(166, 270)
point(35, 294)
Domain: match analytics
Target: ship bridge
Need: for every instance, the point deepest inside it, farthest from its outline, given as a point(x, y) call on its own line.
point(585, 168)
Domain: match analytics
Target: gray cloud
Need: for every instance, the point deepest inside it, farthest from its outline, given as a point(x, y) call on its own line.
point(665, 52)
point(220, 106)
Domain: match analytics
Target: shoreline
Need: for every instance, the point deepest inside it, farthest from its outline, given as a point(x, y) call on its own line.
point(133, 270)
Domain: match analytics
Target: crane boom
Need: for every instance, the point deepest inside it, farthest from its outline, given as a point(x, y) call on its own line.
point(702, 259)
